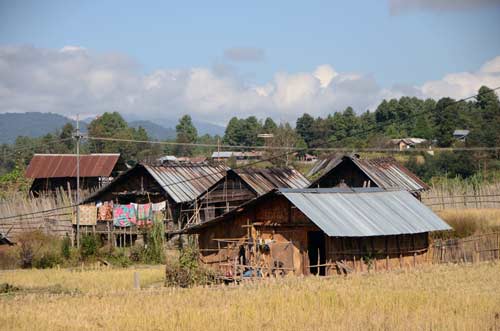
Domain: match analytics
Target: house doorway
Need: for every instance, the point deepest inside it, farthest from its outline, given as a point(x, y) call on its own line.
point(316, 252)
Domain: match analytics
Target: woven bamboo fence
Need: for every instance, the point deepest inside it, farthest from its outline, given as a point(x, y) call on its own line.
point(51, 214)
point(459, 196)
point(477, 248)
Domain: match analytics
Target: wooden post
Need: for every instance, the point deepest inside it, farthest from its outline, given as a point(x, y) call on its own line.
point(386, 253)
point(399, 252)
point(137, 284)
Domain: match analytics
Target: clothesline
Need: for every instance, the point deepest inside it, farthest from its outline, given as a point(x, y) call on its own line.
point(122, 215)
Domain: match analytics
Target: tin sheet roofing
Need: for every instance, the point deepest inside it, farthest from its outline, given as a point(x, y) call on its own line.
point(364, 213)
point(385, 172)
point(64, 165)
point(264, 180)
point(184, 182)
point(352, 212)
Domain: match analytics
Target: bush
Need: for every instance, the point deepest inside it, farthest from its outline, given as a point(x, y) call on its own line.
point(89, 246)
point(47, 260)
point(119, 257)
point(154, 247)
point(66, 248)
point(37, 249)
point(186, 272)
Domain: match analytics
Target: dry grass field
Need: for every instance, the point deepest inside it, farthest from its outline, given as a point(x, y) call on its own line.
point(466, 222)
point(450, 297)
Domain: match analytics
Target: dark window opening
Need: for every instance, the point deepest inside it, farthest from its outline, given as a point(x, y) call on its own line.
point(316, 251)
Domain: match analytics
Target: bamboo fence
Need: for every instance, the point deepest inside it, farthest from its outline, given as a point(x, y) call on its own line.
point(454, 195)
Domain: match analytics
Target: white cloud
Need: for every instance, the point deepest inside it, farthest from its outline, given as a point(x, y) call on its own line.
point(325, 74)
point(464, 84)
point(76, 80)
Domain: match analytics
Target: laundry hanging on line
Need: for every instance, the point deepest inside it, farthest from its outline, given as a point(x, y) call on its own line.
point(105, 211)
point(88, 215)
point(124, 215)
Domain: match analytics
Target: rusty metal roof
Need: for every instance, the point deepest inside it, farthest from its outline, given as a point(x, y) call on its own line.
point(64, 165)
point(385, 172)
point(264, 180)
point(184, 181)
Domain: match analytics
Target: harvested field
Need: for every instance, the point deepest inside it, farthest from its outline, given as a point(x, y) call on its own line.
point(464, 297)
point(467, 222)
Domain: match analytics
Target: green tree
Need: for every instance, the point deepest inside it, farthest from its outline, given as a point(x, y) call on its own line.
point(486, 127)
point(112, 125)
point(232, 133)
point(269, 126)
point(445, 121)
point(186, 133)
point(66, 134)
point(304, 128)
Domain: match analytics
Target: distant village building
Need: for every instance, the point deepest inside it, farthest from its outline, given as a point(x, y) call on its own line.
point(51, 172)
point(308, 158)
point(406, 143)
point(238, 156)
point(167, 158)
point(244, 184)
point(460, 135)
point(352, 171)
point(177, 184)
point(318, 231)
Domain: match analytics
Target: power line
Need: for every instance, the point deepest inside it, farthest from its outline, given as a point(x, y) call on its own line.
point(13, 150)
point(258, 161)
point(377, 126)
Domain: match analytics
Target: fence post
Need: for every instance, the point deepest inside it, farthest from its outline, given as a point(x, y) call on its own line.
point(137, 284)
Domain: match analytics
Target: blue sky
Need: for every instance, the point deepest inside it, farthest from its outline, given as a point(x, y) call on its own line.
point(387, 42)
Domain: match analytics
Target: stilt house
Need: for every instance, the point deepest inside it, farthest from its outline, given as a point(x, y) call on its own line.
point(177, 183)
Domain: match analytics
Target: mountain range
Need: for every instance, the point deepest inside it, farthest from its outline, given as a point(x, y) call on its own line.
point(35, 124)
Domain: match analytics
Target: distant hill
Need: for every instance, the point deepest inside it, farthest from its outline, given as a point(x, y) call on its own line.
point(154, 130)
point(208, 128)
point(13, 125)
point(37, 124)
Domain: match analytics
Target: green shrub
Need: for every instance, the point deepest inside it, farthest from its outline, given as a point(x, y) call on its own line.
point(154, 246)
point(46, 260)
point(66, 248)
point(186, 272)
point(119, 257)
point(37, 248)
point(89, 246)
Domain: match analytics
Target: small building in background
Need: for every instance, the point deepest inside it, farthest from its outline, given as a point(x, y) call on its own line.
point(318, 231)
point(167, 158)
point(225, 156)
point(406, 143)
point(51, 172)
point(352, 171)
point(460, 134)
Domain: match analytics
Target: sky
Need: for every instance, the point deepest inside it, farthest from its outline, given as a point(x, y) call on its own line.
point(218, 59)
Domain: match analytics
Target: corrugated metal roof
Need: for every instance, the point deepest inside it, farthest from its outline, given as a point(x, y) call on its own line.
point(64, 165)
point(385, 172)
point(264, 180)
point(364, 213)
point(184, 182)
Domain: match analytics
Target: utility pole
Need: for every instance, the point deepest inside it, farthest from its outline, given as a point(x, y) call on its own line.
point(77, 137)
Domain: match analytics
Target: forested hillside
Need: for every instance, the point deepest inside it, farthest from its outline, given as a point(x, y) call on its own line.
point(432, 120)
